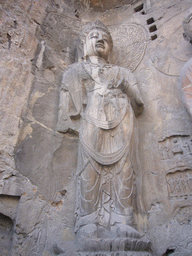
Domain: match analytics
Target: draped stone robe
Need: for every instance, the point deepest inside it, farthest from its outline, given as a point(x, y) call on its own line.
point(99, 102)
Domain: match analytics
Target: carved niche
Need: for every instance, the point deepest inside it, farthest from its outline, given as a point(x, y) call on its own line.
point(175, 148)
point(179, 182)
point(176, 154)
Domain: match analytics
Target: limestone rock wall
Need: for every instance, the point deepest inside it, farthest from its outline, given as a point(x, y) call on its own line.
point(38, 164)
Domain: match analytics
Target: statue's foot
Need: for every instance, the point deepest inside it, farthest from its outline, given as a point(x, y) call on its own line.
point(127, 231)
point(103, 232)
point(87, 238)
point(87, 231)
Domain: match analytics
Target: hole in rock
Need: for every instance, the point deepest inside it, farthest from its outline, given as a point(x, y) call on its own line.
point(15, 24)
point(6, 234)
point(63, 192)
point(9, 40)
point(76, 13)
point(150, 21)
point(138, 8)
point(152, 28)
point(154, 37)
point(168, 252)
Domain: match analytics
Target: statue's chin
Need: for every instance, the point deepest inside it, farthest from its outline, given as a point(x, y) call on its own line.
point(101, 52)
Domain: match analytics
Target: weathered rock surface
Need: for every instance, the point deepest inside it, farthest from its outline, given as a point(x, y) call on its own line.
point(38, 164)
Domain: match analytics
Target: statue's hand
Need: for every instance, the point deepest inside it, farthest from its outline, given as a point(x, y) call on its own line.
point(120, 84)
point(139, 100)
point(132, 92)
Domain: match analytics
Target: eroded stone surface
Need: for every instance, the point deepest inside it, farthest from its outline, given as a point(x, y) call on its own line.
point(6, 234)
point(38, 41)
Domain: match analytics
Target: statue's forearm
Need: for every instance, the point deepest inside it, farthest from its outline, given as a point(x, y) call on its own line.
point(133, 93)
point(137, 95)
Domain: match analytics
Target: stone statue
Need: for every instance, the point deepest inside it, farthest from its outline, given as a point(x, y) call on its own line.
point(100, 101)
point(186, 72)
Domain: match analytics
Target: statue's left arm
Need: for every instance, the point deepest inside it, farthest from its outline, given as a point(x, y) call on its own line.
point(70, 100)
point(128, 85)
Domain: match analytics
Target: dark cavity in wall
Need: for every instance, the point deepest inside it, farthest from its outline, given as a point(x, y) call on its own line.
point(150, 21)
point(152, 28)
point(9, 40)
point(138, 8)
point(168, 252)
point(153, 37)
point(6, 234)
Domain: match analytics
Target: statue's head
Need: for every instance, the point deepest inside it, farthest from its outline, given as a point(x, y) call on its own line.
point(187, 25)
point(95, 40)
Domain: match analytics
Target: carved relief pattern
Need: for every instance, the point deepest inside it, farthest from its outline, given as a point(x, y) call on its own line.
point(175, 147)
point(131, 42)
point(176, 153)
point(180, 184)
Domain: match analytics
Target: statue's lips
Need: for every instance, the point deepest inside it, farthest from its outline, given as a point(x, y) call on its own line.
point(99, 45)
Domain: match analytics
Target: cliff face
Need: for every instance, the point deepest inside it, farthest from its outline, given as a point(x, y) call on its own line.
point(38, 164)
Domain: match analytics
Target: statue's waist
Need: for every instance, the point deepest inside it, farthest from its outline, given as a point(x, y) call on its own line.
point(107, 124)
point(102, 157)
point(105, 92)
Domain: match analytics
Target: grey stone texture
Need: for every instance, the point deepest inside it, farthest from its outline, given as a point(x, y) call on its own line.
point(38, 163)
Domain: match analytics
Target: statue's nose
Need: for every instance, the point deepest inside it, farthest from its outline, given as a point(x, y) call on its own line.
point(100, 40)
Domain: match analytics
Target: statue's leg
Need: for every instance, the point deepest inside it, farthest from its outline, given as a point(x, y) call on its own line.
point(123, 191)
point(88, 201)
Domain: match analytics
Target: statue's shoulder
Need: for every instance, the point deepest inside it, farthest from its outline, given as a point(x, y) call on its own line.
point(73, 67)
point(121, 69)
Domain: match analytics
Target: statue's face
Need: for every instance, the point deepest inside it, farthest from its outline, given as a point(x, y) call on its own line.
point(97, 44)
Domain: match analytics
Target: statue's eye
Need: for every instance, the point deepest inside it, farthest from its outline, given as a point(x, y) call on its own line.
point(94, 36)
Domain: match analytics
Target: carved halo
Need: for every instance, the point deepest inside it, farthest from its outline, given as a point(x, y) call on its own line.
point(130, 41)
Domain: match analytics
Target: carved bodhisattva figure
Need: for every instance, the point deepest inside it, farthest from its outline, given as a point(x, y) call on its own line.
point(186, 72)
point(100, 101)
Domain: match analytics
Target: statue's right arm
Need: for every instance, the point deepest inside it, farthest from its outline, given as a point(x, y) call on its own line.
point(62, 124)
point(69, 103)
point(63, 113)
point(128, 84)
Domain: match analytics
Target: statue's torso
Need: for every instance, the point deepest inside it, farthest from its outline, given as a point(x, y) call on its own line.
point(107, 116)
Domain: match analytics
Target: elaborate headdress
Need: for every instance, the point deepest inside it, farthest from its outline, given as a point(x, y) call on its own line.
point(85, 31)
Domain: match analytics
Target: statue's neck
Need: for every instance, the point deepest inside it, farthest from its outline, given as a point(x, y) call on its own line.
point(96, 60)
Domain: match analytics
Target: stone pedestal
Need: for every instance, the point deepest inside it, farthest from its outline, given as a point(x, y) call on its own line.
point(119, 253)
point(114, 247)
